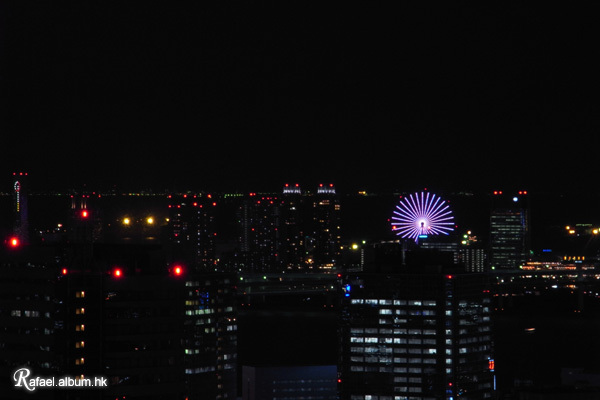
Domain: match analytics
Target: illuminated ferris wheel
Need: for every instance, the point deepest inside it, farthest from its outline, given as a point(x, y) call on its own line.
point(420, 215)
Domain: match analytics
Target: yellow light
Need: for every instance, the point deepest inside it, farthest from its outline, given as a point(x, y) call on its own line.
point(567, 227)
point(354, 246)
point(595, 231)
point(126, 221)
point(572, 231)
point(150, 220)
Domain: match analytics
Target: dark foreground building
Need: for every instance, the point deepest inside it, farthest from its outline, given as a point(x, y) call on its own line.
point(415, 327)
point(121, 319)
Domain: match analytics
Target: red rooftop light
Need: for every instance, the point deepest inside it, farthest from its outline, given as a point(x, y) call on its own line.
point(177, 270)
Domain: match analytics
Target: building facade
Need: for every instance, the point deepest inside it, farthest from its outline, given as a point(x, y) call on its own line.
point(415, 329)
point(509, 243)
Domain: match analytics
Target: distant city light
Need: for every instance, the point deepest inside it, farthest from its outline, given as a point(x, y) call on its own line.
point(422, 214)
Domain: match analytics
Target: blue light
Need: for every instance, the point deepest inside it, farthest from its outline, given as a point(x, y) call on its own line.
point(422, 236)
point(547, 250)
point(347, 288)
point(515, 199)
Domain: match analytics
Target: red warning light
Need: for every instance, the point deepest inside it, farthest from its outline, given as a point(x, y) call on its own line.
point(491, 365)
point(64, 271)
point(14, 242)
point(117, 272)
point(84, 213)
point(177, 270)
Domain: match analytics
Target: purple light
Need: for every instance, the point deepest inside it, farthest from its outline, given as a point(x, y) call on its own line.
point(422, 214)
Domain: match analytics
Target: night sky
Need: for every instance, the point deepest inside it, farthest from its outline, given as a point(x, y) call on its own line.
point(250, 95)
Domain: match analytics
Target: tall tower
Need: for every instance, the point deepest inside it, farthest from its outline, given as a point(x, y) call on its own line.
point(20, 212)
point(325, 229)
point(509, 230)
point(193, 229)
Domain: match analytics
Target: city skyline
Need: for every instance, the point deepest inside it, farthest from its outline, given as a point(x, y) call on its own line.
point(285, 262)
point(117, 109)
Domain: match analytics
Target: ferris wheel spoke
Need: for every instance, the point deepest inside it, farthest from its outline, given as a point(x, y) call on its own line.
point(422, 213)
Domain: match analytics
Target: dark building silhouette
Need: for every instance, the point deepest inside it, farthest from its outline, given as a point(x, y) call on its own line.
point(415, 326)
point(324, 234)
point(193, 229)
point(20, 188)
point(289, 382)
point(91, 305)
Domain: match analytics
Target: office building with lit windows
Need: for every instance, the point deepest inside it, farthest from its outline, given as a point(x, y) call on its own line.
point(509, 243)
point(414, 326)
point(472, 253)
point(31, 318)
point(86, 307)
point(324, 234)
point(192, 226)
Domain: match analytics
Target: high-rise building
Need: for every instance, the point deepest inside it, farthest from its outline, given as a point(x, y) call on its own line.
point(509, 242)
point(124, 311)
point(415, 326)
point(32, 318)
point(292, 230)
point(193, 230)
point(259, 235)
point(472, 253)
point(324, 234)
point(20, 207)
